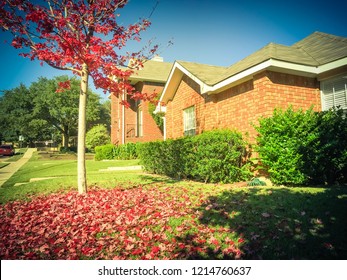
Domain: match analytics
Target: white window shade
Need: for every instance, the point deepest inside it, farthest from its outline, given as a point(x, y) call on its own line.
point(334, 93)
point(189, 121)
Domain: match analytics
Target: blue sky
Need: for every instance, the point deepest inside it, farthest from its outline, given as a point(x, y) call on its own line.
point(217, 32)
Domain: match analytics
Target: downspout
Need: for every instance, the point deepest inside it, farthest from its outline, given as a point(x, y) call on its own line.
point(123, 119)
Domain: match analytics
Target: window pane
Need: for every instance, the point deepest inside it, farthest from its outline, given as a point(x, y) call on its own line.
point(189, 121)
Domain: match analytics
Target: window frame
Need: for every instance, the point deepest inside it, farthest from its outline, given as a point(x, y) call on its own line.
point(189, 121)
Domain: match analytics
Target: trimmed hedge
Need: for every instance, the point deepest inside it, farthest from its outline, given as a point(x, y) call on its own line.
point(104, 152)
point(304, 147)
point(213, 156)
point(110, 151)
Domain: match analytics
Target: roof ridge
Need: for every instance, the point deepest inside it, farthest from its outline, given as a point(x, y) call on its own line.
point(301, 48)
point(198, 63)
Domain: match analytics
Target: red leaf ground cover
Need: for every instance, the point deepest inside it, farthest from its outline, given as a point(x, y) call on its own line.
point(137, 223)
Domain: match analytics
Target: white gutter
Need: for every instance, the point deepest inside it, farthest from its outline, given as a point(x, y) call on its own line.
point(287, 67)
point(123, 119)
point(271, 64)
point(332, 65)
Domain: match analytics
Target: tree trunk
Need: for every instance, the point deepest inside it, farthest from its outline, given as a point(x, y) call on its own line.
point(81, 145)
point(66, 137)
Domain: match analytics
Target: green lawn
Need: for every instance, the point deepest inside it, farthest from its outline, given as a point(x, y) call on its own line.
point(64, 173)
point(274, 222)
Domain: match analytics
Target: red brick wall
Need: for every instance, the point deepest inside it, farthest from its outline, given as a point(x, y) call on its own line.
point(151, 131)
point(240, 106)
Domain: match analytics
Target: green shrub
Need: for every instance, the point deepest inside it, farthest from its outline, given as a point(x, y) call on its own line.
point(280, 137)
point(110, 151)
point(162, 157)
point(104, 152)
point(125, 152)
point(214, 156)
point(97, 136)
point(302, 147)
point(68, 150)
point(325, 152)
point(217, 156)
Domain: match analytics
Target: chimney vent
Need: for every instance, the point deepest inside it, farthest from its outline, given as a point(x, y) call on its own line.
point(158, 58)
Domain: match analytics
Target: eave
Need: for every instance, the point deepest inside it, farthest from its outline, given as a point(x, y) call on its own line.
point(178, 71)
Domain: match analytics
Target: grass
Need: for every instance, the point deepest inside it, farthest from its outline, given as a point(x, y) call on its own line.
point(3, 164)
point(63, 174)
point(274, 222)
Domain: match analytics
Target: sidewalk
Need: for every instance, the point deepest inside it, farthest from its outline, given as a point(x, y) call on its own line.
point(7, 171)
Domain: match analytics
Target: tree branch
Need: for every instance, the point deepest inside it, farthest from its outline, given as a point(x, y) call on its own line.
point(64, 68)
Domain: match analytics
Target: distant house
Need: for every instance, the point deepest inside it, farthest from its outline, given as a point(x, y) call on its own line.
point(312, 72)
point(136, 124)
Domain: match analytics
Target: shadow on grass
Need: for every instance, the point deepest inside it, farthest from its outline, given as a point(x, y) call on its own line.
point(283, 223)
point(157, 179)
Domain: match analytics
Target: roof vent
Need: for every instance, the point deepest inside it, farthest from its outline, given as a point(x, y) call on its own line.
point(157, 58)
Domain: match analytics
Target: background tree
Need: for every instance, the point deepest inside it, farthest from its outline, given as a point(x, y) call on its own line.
point(17, 118)
point(97, 136)
point(60, 109)
point(104, 116)
point(82, 36)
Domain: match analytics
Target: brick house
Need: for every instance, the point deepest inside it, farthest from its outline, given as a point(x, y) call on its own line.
point(312, 72)
point(135, 124)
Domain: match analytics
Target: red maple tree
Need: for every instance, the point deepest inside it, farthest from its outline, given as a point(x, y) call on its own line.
point(82, 36)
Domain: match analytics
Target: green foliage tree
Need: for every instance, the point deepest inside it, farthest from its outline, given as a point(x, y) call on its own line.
point(104, 116)
point(17, 117)
point(97, 136)
point(60, 109)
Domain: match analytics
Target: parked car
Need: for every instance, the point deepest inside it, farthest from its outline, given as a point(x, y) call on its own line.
point(6, 150)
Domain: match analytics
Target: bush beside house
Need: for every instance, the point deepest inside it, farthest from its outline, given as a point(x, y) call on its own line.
point(121, 152)
point(304, 147)
point(294, 148)
point(213, 156)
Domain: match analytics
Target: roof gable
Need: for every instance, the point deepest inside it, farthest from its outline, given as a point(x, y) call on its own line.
point(315, 54)
point(152, 71)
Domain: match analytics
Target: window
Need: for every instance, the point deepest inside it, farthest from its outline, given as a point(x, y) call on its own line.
point(139, 122)
point(334, 93)
point(189, 121)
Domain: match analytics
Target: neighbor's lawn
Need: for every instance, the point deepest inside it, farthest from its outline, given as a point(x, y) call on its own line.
point(157, 218)
point(63, 174)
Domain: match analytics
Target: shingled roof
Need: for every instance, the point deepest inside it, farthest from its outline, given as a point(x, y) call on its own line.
point(313, 56)
point(315, 50)
point(152, 71)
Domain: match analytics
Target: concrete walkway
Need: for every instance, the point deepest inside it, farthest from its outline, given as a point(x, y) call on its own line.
point(7, 171)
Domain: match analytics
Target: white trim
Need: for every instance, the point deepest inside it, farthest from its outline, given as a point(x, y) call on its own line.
point(123, 119)
point(271, 64)
point(176, 74)
point(332, 65)
point(178, 70)
point(159, 108)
